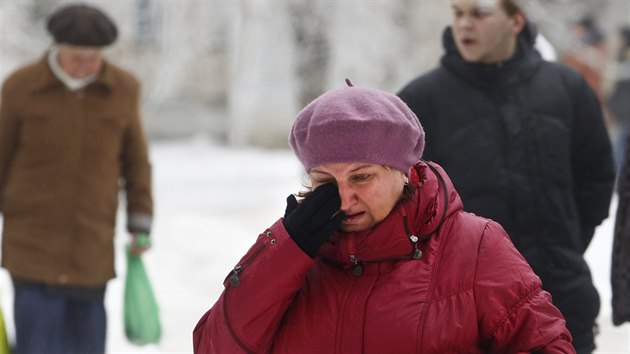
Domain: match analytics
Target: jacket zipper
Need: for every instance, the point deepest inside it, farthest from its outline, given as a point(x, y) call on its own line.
point(357, 268)
point(416, 254)
point(235, 279)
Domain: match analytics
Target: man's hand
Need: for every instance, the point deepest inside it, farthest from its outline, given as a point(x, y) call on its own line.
point(140, 243)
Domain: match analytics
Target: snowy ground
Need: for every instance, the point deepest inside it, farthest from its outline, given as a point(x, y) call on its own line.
point(211, 203)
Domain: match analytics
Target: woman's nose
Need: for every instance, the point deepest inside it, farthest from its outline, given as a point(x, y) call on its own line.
point(348, 197)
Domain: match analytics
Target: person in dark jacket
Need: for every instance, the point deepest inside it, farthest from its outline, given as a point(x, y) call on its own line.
point(619, 106)
point(378, 256)
point(525, 144)
point(70, 135)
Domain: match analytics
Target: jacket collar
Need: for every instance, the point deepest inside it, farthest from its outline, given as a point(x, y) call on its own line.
point(70, 82)
point(44, 79)
point(421, 216)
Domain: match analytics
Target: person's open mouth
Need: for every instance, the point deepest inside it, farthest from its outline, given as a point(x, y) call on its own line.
point(468, 42)
point(353, 218)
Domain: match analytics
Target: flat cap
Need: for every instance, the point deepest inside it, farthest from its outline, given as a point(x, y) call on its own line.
point(82, 25)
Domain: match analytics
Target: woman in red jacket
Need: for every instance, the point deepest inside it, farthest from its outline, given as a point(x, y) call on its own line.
point(378, 256)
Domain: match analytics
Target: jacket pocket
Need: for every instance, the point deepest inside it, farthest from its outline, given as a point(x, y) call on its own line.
point(42, 133)
point(232, 282)
point(105, 135)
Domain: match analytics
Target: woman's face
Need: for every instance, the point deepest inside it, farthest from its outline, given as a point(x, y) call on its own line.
point(368, 192)
point(483, 31)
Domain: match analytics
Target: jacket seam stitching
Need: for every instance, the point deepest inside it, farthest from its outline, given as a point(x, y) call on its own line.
point(513, 309)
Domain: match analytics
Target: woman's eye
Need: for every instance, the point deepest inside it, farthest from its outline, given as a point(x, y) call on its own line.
point(362, 177)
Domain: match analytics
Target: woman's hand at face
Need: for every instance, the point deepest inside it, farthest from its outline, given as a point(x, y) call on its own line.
point(311, 222)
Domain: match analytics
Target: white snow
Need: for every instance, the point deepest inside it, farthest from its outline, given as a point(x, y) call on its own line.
point(211, 203)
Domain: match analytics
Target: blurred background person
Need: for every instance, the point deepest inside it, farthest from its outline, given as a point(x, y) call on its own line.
point(588, 54)
point(525, 144)
point(619, 105)
point(618, 102)
point(70, 130)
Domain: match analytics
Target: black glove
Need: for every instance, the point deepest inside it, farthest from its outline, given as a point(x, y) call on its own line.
point(312, 222)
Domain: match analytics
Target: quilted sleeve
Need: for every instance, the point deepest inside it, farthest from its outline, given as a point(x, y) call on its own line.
point(257, 293)
point(515, 314)
point(592, 158)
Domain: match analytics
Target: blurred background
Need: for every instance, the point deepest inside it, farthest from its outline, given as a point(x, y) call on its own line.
point(222, 83)
point(238, 71)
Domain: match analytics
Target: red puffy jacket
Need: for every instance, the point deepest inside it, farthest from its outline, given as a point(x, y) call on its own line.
point(465, 290)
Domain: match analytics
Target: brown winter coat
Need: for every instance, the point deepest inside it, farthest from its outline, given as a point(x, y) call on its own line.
point(62, 157)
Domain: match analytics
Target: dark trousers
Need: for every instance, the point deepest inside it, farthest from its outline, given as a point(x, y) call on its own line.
point(48, 321)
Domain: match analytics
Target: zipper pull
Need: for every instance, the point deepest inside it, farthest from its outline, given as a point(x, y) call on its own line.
point(358, 268)
point(416, 254)
point(235, 280)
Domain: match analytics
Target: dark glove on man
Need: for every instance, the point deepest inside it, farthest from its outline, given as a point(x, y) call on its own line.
point(311, 222)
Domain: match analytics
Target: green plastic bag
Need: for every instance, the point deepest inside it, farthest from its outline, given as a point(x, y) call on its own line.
point(142, 320)
point(4, 342)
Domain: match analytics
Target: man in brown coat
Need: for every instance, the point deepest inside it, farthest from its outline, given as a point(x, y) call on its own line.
point(71, 137)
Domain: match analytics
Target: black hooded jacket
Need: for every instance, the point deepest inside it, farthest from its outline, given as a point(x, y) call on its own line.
point(525, 144)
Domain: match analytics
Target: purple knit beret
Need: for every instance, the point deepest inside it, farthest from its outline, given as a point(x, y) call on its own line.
point(354, 124)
